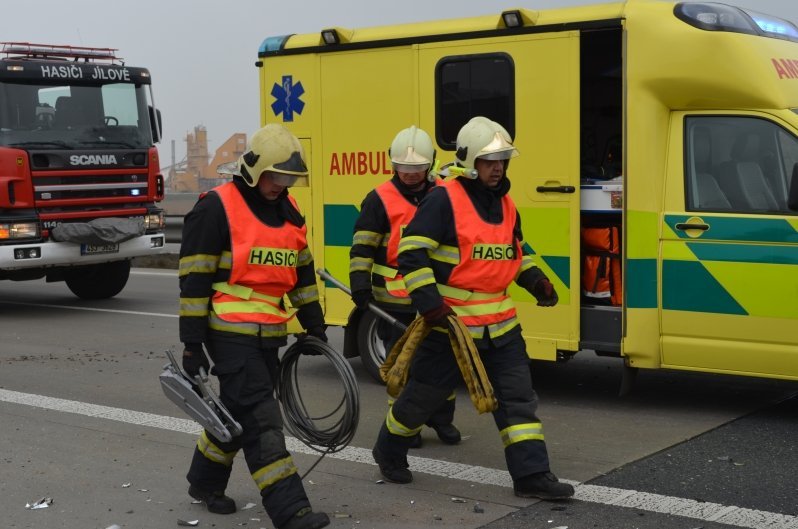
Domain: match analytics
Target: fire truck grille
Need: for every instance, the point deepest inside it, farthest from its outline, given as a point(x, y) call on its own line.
point(50, 189)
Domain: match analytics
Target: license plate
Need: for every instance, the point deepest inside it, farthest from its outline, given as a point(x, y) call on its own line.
point(93, 249)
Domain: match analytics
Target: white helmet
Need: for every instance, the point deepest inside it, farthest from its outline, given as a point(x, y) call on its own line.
point(273, 149)
point(412, 151)
point(483, 138)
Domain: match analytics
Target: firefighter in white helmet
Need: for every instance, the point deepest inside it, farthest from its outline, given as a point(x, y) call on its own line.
point(243, 248)
point(373, 275)
point(459, 254)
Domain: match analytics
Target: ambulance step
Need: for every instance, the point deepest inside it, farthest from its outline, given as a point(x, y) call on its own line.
point(600, 329)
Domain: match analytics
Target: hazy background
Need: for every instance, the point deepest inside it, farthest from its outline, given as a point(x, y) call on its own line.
point(202, 53)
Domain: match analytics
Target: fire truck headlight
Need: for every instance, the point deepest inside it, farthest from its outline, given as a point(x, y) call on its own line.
point(154, 221)
point(19, 230)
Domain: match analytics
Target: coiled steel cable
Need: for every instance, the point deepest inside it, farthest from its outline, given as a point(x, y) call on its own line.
point(329, 432)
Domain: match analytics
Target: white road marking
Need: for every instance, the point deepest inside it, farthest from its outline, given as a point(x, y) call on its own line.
point(706, 511)
point(92, 309)
point(153, 272)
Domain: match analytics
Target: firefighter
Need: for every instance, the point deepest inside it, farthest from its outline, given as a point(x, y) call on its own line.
point(459, 255)
point(372, 267)
point(244, 246)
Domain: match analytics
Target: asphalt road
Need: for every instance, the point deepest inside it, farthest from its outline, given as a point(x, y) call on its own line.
point(84, 422)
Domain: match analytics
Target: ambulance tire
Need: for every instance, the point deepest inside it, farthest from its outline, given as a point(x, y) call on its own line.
point(98, 281)
point(370, 346)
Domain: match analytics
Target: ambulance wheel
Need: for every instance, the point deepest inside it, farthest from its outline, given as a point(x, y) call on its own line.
point(98, 281)
point(369, 345)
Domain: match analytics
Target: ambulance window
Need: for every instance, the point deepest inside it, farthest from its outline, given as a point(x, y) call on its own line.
point(473, 85)
point(738, 164)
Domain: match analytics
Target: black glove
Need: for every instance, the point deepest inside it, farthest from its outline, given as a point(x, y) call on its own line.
point(437, 316)
point(193, 360)
point(545, 294)
point(318, 332)
point(362, 298)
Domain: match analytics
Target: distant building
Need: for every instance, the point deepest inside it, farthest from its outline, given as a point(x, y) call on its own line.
point(197, 172)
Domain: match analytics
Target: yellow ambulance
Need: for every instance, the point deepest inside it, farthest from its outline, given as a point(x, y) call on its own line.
point(657, 179)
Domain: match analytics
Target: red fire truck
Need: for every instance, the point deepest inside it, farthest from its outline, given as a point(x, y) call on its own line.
point(79, 173)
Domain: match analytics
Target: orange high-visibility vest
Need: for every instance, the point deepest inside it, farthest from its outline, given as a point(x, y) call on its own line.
point(490, 258)
point(264, 262)
point(400, 212)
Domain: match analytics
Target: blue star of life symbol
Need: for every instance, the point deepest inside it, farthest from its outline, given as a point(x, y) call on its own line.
point(287, 98)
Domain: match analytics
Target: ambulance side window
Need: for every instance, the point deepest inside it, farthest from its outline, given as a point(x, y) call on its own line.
point(737, 164)
point(473, 85)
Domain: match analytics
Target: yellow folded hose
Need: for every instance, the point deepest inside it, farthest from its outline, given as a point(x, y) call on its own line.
point(396, 368)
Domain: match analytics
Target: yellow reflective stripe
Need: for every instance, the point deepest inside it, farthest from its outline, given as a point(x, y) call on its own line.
point(193, 307)
point(305, 257)
point(226, 261)
point(243, 292)
point(274, 330)
point(527, 262)
point(415, 242)
point(395, 284)
point(397, 428)
point(249, 307)
point(452, 396)
point(384, 271)
point(531, 431)
point(274, 472)
point(419, 278)
point(484, 308)
point(303, 296)
point(213, 452)
point(466, 295)
point(446, 254)
point(198, 264)
point(494, 329)
point(382, 295)
point(367, 238)
point(360, 264)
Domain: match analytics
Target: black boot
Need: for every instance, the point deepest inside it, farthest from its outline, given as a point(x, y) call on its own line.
point(216, 502)
point(543, 485)
point(393, 470)
point(305, 518)
point(448, 433)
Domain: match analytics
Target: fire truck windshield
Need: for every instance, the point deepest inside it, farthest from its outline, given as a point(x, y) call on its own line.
point(74, 116)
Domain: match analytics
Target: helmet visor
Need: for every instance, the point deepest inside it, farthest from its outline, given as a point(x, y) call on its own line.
point(281, 179)
point(500, 155)
point(410, 168)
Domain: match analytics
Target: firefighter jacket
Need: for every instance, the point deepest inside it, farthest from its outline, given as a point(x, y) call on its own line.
point(442, 256)
point(375, 245)
point(221, 290)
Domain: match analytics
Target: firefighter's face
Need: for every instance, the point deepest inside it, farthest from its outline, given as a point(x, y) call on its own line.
point(490, 172)
point(268, 186)
point(414, 179)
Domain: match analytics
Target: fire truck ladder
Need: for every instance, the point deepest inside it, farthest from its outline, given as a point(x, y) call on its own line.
point(27, 50)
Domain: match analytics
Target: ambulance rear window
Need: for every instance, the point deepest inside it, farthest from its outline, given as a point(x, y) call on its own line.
point(473, 85)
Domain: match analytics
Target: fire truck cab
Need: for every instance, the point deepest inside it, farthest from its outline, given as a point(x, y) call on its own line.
point(79, 173)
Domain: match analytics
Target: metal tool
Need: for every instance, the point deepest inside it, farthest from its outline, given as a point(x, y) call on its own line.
point(197, 400)
point(372, 306)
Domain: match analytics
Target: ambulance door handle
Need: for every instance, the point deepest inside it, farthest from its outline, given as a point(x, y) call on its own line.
point(691, 226)
point(556, 189)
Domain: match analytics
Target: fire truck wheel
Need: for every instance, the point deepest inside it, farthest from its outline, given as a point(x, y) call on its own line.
point(369, 345)
point(100, 281)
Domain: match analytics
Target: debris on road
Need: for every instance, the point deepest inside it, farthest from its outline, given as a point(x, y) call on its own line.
point(41, 504)
point(192, 523)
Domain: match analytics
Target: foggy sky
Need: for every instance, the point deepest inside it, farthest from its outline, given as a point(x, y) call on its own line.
point(202, 54)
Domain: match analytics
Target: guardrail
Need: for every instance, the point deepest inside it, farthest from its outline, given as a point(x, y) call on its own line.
point(175, 206)
point(174, 228)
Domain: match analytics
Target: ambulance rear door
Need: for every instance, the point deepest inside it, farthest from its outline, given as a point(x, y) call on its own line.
point(530, 84)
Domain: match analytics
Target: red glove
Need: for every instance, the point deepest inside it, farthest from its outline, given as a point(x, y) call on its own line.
point(545, 294)
point(437, 316)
